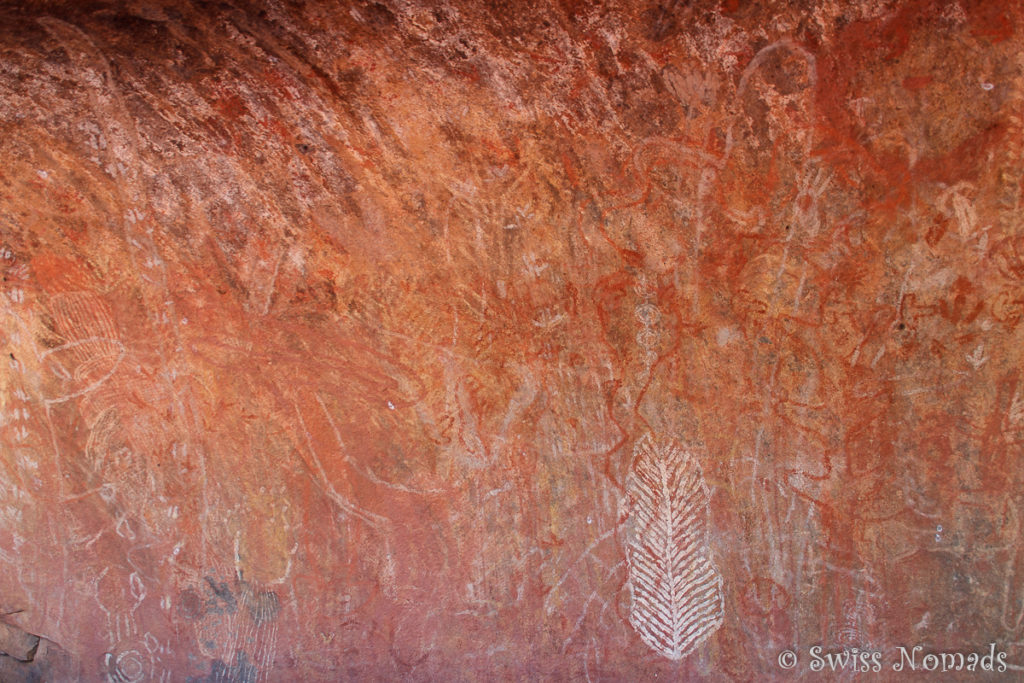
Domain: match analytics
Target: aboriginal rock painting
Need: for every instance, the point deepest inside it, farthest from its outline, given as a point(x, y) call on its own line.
point(557, 340)
point(676, 591)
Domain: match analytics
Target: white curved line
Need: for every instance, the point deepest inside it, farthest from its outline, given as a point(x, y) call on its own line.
point(95, 385)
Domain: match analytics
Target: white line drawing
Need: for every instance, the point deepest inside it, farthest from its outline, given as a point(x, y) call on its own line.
point(345, 505)
point(977, 357)
point(676, 589)
point(649, 316)
point(571, 571)
point(956, 202)
point(58, 369)
point(366, 472)
point(92, 343)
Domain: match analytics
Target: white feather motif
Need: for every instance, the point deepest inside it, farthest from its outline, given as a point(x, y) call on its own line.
point(676, 589)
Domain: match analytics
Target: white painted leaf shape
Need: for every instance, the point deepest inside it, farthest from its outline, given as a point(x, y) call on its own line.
point(676, 589)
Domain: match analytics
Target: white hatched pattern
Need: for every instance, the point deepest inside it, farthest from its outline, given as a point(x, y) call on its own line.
point(676, 589)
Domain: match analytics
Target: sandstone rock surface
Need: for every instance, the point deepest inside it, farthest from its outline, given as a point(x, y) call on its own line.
point(329, 332)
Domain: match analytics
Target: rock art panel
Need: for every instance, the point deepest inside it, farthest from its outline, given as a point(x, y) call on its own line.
point(415, 340)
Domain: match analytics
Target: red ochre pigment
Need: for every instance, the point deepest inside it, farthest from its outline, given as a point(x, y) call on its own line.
point(542, 341)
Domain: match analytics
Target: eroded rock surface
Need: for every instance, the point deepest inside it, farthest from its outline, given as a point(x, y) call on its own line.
point(330, 330)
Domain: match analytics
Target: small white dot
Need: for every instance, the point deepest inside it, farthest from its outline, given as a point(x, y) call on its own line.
point(987, 86)
point(938, 528)
point(391, 405)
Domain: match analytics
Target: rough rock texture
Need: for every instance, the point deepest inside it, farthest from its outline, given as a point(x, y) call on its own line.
point(329, 331)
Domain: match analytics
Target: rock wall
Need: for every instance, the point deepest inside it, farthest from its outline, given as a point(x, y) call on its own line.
point(452, 340)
